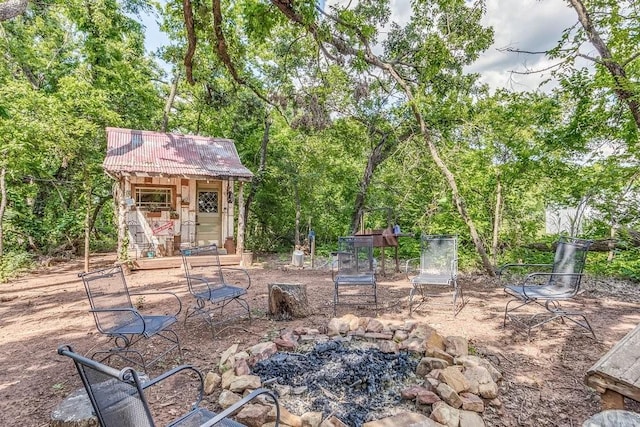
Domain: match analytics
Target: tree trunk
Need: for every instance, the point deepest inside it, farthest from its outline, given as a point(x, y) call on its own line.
point(497, 219)
point(296, 195)
point(286, 7)
point(87, 229)
point(376, 157)
point(3, 206)
point(623, 87)
point(257, 180)
point(288, 301)
point(169, 104)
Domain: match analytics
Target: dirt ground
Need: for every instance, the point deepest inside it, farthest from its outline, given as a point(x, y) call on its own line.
point(543, 377)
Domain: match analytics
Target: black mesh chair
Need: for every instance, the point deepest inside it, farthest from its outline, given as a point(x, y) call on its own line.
point(561, 282)
point(116, 317)
point(355, 276)
point(220, 292)
point(118, 396)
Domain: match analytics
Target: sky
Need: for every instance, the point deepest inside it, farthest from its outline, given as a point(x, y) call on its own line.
point(532, 25)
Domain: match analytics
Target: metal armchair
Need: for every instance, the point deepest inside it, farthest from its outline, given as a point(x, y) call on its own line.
point(546, 289)
point(218, 290)
point(355, 276)
point(116, 317)
point(435, 270)
point(118, 396)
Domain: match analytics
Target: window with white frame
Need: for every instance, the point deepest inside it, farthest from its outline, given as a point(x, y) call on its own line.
point(153, 197)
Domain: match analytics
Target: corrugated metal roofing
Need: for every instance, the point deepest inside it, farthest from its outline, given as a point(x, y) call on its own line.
point(137, 152)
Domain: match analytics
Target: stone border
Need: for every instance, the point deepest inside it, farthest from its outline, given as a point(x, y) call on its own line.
point(455, 390)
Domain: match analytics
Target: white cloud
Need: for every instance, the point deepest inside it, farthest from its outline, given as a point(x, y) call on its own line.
point(529, 25)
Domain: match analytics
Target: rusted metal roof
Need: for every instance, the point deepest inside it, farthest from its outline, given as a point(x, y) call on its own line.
point(144, 153)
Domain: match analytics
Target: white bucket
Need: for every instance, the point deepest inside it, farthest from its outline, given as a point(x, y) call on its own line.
point(297, 258)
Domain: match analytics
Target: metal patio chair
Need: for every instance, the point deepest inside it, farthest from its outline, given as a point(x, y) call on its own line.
point(560, 282)
point(355, 276)
point(118, 396)
point(215, 288)
point(435, 270)
point(117, 318)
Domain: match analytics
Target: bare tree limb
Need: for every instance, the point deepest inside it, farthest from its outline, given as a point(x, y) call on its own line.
point(345, 48)
point(223, 53)
point(622, 87)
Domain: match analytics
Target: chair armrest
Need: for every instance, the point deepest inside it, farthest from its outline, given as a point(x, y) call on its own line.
point(242, 270)
point(505, 267)
point(174, 371)
point(236, 406)
point(161, 293)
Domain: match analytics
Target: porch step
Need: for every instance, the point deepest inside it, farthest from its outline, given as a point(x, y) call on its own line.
point(176, 262)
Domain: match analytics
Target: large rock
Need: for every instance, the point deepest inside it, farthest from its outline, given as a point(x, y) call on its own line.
point(456, 346)
point(428, 364)
point(244, 382)
point(262, 351)
point(452, 376)
point(253, 415)
point(471, 419)
point(311, 419)
point(405, 419)
point(449, 395)
point(472, 360)
point(338, 326)
point(481, 382)
point(74, 411)
point(227, 355)
point(471, 402)
point(445, 414)
point(211, 382)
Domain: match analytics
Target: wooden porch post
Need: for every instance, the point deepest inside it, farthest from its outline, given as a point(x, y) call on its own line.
point(241, 220)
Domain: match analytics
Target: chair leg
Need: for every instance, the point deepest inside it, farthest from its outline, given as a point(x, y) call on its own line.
point(563, 314)
point(457, 296)
point(507, 311)
point(123, 354)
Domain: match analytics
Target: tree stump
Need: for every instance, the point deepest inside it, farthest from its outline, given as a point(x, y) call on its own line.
point(288, 301)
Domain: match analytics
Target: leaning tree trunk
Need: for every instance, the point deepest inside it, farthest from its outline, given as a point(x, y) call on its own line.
point(623, 88)
point(287, 8)
point(87, 229)
point(497, 219)
point(377, 156)
point(3, 206)
point(257, 180)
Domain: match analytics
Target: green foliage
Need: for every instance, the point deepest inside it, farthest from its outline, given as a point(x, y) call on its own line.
point(13, 263)
point(624, 265)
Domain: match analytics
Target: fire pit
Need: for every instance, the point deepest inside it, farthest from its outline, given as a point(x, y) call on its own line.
point(363, 370)
point(355, 383)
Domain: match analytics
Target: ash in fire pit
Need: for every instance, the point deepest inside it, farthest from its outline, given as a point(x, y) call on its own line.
point(355, 384)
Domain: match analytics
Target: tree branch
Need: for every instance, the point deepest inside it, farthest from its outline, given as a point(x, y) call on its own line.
point(191, 38)
point(622, 88)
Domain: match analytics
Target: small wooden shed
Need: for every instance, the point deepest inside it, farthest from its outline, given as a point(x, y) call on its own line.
point(174, 191)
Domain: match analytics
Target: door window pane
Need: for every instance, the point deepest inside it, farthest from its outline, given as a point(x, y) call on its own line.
point(208, 201)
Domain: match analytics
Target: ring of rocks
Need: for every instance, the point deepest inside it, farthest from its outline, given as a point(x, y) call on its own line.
point(360, 371)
